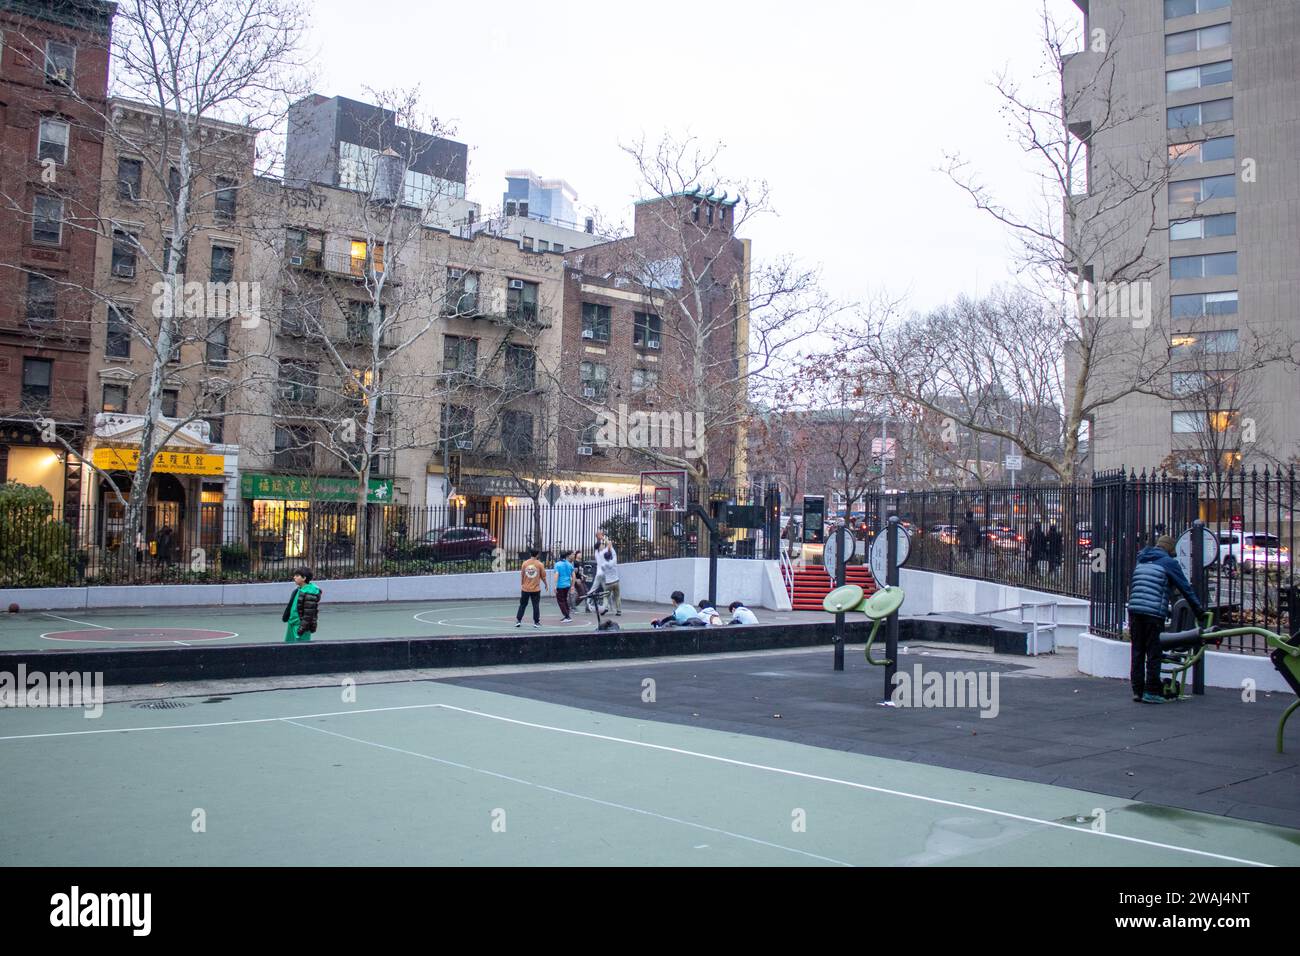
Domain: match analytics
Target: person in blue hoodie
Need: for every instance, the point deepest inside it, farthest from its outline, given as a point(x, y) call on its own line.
point(1148, 607)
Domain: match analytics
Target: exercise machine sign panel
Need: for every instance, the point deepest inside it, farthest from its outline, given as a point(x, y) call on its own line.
point(1183, 550)
point(880, 553)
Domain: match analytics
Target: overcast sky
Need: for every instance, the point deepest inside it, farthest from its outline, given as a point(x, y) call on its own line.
point(846, 109)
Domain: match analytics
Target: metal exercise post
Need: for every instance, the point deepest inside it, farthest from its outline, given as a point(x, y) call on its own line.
point(891, 626)
point(839, 583)
point(1201, 586)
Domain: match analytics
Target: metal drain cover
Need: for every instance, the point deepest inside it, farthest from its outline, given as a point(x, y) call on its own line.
point(159, 705)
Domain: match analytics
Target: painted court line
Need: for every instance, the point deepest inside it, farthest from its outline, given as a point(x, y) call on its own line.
point(577, 796)
point(59, 617)
point(676, 750)
point(858, 786)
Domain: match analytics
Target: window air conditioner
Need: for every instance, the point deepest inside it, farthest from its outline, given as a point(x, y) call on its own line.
point(588, 334)
point(652, 343)
point(297, 260)
point(462, 443)
point(517, 284)
point(124, 270)
point(584, 449)
point(588, 393)
point(455, 273)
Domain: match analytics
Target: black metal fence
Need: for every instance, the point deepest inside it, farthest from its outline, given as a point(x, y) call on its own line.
point(1030, 536)
point(265, 540)
point(1082, 540)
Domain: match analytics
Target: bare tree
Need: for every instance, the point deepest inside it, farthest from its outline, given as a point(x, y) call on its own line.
point(194, 82)
point(724, 322)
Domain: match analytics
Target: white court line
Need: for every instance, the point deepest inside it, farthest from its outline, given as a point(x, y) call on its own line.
point(667, 749)
point(576, 796)
point(853, 784)
point(71, 621)
point(50, 636)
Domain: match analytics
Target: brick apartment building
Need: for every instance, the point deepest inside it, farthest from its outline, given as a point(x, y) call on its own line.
point(53, 83)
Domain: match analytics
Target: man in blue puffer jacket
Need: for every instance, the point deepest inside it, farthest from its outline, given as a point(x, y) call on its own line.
point(1148, 607)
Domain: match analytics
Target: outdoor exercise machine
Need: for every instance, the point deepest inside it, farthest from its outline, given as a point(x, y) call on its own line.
point(1182, 650)
point(889, 550)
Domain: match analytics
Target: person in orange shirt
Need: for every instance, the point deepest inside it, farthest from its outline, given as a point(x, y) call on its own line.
point(532, 578)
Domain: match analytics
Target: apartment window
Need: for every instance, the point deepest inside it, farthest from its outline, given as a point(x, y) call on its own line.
point(1195, 77)
point(645, 331)
point(297, 382)
point(1203, 190)
point(462, 292)
point(1186, 8)
point(517, 433)
point(1206, 227)
point(47, 220)
point(1206, 304)
point(170, 396)
point(521, 367)
point(222, 266)
point(644, 379)
point(167, 255)
point(37, 377)
point(225, 199)
point(458, 426)
point(53, 141)
point(557, 247)
point(42, 304)
point(117, 343)
point(595, 381)
point(695, 212)
point(114, 399)
point(217, 423)
point(1195, 114)
point(218, 340)
point(1188, 423)
point(1203, 267)
point(543, 245)
point(124, 246)
point(60, 62)
point(459, 354)
point(174, 183)
point(1205, 151)
point(528, 243)
point(521, 301)
point(362, 320)
point(1186, 344)
point(130, 173)
point(293, 450)
point(595, 322)
point(588, 440)
point(1206, 38)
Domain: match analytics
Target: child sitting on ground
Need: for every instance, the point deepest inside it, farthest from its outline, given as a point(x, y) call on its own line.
point(682, 613)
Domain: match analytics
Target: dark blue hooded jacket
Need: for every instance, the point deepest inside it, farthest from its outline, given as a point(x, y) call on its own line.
point(1156, 569)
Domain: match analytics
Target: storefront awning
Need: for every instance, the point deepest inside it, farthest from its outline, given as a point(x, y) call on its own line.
point(309, 488)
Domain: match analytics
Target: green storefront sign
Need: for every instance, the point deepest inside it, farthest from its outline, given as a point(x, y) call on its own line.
point(306, 488)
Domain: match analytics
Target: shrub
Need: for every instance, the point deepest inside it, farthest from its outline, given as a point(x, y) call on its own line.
point(35, 549)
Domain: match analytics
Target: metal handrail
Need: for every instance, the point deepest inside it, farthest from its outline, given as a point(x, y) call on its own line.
point(1038, 625)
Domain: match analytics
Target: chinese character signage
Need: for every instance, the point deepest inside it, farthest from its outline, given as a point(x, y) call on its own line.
point(307, 488)
point(168, 462)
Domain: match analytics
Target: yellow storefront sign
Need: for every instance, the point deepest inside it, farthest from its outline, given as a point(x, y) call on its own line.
point(171, 462)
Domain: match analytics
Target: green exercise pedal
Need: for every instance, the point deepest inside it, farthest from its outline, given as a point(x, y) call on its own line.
point(878, 607)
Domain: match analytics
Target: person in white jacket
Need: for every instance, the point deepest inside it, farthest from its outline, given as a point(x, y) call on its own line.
point(607, 571)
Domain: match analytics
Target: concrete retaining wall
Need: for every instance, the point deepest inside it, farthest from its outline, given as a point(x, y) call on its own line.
point(1103, 657)
point(931, 592)
point(757, 583)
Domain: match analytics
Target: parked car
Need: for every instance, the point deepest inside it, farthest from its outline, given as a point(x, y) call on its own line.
point(1252, 549)
point(945, 533)
point(1005, 539)
point(447, 544)
point(1084, 535)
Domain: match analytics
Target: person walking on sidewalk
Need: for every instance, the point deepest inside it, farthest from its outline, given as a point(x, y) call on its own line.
point(1148, 607)
point(532, 578)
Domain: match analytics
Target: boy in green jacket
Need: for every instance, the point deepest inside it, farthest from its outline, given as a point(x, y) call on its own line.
point(301, 613)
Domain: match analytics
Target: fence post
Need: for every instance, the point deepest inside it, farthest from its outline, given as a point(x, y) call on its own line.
point(1201, 587)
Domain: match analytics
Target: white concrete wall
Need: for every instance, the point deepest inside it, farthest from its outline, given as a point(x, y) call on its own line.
point(931, 592)
point(1103, 657)
point(757, 583)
